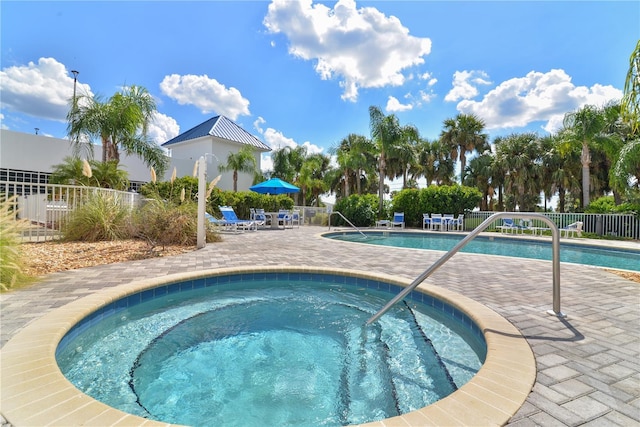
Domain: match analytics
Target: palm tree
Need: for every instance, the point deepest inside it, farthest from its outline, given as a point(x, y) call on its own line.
point(121, 123)
point(434, 163)
point(103, 174)
point(403, 156)
point(385, 133)
point(519, 155)
point(242, 161)
point(462, 135)
point(312, 178)
point(586, 127)
point(479, 174)
point(630, 106)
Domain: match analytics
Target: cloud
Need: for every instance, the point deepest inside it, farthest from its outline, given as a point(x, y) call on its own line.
point(205, 93)
point(41, 90)
point(163, 128)
point(363, 48)
point(393, 105)
point(536, 97)
point(277, 141)
point(465, 85)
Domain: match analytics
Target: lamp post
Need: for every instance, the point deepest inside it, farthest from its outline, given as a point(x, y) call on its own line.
point(75, 82)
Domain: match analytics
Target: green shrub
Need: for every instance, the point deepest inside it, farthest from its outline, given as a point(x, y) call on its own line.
point(607, 204)
point(172, 192)
point(102, 217)
point(359, 209)
point(11, 259)
point(161, 223)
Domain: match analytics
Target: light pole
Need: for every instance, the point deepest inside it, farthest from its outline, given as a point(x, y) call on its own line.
point(75, 82)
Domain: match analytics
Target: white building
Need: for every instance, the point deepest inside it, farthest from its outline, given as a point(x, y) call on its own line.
point(31, 158)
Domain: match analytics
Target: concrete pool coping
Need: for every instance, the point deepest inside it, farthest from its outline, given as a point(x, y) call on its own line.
point(34, 391)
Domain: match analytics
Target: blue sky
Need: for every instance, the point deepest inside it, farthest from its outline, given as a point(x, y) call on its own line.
point(303, 72)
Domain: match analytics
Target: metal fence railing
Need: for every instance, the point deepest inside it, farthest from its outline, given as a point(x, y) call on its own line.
point(311, 215)
point(45, 208)
point(619, 225)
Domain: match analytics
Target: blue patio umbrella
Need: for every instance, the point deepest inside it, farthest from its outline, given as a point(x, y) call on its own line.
point(274, 186)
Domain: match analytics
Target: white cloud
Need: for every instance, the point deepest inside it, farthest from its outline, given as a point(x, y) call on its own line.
point(41, 90)
point(277, 141)
point(205, 93)
point(465, 85)
point(163, 128)
point(2, 123)
point(363, 48)
point(431, 80)
point(393, 105)
point(536, 97)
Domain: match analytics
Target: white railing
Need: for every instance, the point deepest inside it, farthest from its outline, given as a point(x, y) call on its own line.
point(618, 225)
point(46, 207)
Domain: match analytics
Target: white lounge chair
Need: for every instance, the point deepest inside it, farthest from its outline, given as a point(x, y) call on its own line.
point(572, 229)
point(507, 226)
point(398, 220)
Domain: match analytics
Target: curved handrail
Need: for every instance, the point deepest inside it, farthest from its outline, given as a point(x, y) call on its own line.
point(555, 245)
point(349, 222)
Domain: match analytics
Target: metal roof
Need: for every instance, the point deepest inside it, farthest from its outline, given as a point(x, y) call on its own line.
point(220, 127)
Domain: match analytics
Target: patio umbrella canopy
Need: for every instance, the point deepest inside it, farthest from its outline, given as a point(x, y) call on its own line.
point(274, 186)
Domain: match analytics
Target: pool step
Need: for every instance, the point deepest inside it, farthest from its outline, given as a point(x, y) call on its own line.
point(393, 371)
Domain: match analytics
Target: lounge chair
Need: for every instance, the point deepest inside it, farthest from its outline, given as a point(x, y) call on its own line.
point(398, 220)
point(572, 229)
point(231, 219)
point(507, 226)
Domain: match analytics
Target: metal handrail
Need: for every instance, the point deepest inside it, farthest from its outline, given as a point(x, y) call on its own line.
point(349, 222)
point(555, 245)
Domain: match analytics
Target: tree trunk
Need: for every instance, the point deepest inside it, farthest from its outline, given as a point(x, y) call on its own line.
point(585, 158)
point(381, 169)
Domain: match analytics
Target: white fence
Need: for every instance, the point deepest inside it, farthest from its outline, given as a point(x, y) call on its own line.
point(619, 225)
point(45, 207)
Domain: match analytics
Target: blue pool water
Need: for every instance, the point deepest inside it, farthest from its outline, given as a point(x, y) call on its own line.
point(520, 247)
point(271, 350)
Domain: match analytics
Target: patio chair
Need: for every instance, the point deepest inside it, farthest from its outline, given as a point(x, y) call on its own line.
point(231, 218)
point(426, 221)
point(258, 217)
point(295, 218)
point(572, 229)
point(398, 220)
point(436, 221)
point(447, 221)
point(457, 223)
point(284, 218)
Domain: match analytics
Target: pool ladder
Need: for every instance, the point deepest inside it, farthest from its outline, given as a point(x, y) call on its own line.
point(348, 222)
point(555, 246)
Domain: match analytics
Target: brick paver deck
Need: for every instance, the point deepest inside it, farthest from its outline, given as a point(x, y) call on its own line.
point(588, 365)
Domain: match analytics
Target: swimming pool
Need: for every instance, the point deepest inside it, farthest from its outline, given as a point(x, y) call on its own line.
point(626, 259)
point(272, 349)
